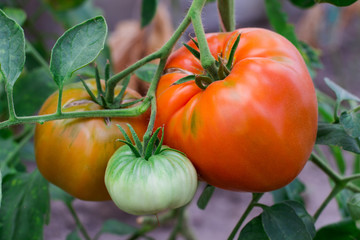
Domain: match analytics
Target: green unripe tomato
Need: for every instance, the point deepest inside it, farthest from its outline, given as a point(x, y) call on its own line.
point(138, 186)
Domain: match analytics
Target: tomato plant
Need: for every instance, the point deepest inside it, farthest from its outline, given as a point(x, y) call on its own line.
point(238, 108)
point(73, 153)
point(251, 131)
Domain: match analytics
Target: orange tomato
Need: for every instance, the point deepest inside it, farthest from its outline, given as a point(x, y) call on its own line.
point(251, 131)
point(73, 153)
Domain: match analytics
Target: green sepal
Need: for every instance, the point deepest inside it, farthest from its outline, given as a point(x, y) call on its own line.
point(232, 52)
point(120, 96)
point(91, 94)
point(159, 145)
point(203, 81)
point(150, 146)
point(126, 136)
point(193, 51)
point(107, 71)
point(131, 146)
point(184, 79)
point(136, 138)
point(194, 41)
point(98, 82)
point(124, 105)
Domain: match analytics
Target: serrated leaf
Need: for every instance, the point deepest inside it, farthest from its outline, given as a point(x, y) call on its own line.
point(281, 222)
point(25, 207)
point(335, 135)
point(12, 49)
point(16, 14)
point(205, 196)
point(278, 20)
point(351, 123)
point(291, 191)
point(344, 230)
point(118, 228)
point(76, 48)
point(339, 3)
point(146, 72)
point(57, 193)
point(253, 230)
point(341, 93)
point(148, 11)
point(303, 3)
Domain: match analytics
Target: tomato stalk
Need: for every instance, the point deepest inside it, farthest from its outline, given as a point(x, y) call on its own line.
point(227, 15)
point(10, 99)
point(255, 199)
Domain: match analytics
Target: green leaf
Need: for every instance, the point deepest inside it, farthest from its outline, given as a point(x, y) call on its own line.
point(57, 193)
point(342, 199)
point(354, 206)
point(118, 228)
point(304, 215)
point(344, 230)
point(205, 196)
point(254, 230)
point(16, 14)
point(25, 206)
point(341, 93)
point(278, 21)
point(146, 72)
point(31, 90)
point(335, 135)
point(303, 3)
point(12, 49)
point(291, 191)
point(281, 222)
point(339, 158)
point(184, 80)
point(339, 3)
point(76, 48)
point(73, 236)
point(148, 11)
point(351, 123)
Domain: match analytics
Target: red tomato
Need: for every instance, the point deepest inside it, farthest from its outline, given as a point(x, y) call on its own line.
point(73, 153)
point(252, 131)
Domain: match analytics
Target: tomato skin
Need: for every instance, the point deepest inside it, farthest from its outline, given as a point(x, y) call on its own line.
point(137, 186)
point(252, 131)
point(73, 153)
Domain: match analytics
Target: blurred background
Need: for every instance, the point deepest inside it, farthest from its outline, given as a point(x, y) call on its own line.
point(333, 31)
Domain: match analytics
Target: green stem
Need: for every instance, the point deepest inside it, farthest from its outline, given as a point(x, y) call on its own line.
point(151, 94)
point(206, 58)
point(111, 83)
point(58, 110)
point(78, 222)
point(255, 199)
point(227, 14)
point(126, 112)
point(10, 99)
point(323, 166)
point(351, 178)
point(338, 188)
